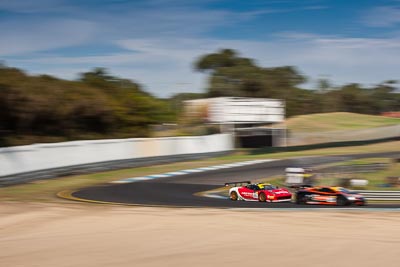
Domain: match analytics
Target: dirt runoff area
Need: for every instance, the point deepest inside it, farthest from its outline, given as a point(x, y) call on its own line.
point(96, 235)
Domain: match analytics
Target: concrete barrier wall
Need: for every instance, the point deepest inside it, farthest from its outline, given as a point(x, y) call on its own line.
point(31, 158)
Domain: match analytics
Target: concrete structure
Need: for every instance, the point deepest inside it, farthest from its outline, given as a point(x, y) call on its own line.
point(251, 119)
point(237, 110)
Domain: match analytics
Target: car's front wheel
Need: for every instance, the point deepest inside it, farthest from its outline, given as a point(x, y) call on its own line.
point(262, 197)
point(233, 196)
point(341, 201)
point(301, 199)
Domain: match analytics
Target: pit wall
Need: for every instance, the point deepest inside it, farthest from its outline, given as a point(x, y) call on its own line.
point(38, 161)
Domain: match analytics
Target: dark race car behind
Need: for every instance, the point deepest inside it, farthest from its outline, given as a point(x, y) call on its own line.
point(329, 195)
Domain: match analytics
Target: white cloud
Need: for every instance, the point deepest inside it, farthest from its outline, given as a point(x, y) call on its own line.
point(316, 7)
point(19, 37)
point(383, 16)
point(67, 24)
point(163, 41)
point(163, 64)
point(76, 24)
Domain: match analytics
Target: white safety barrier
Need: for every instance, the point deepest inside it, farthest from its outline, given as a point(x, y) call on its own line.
point(30, 158)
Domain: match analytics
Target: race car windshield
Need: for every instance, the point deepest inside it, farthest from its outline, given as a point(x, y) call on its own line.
point(346, 191)
point(269, 187)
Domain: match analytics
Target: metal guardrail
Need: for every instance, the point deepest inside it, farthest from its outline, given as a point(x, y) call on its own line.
point(356, 168)
point(380, 195)
point(370, 167)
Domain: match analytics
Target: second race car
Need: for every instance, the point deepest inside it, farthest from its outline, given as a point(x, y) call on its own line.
point(262, 192)
point(329, 195)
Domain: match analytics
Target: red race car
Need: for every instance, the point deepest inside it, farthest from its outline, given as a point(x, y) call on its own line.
point(262, 192)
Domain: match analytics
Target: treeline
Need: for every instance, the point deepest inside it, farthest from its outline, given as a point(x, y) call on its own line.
point(46, 109)
point(232, 75)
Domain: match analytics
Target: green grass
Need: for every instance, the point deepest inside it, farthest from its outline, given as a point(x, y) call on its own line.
point(367, 161)
point(338, 121)
point(45, 190)
point(378, 178)
point(361, 161)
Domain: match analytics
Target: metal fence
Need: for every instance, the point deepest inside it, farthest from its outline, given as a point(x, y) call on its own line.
point(380, 195)
point(354, 168)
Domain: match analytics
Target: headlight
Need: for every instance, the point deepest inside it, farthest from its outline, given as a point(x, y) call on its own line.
point(351, 198)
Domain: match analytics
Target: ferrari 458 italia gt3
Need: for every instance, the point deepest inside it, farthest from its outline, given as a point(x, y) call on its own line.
point(259, 192)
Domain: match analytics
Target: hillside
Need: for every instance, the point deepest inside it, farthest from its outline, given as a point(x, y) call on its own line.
point(337, 121)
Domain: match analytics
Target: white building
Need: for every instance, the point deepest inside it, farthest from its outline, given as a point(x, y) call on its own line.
point(253, 120)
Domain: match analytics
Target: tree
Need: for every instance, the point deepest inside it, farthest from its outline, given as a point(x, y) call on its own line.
point(44, 109)
point(231, 75)
point(211, 62)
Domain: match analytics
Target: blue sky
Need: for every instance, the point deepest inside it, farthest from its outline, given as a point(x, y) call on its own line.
point(155, 42)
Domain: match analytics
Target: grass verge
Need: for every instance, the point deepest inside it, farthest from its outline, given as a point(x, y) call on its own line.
point(338, 121)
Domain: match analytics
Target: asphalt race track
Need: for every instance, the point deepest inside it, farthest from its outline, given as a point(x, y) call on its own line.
point(180, 190)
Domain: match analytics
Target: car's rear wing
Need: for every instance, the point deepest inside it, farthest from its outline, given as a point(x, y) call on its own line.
point(233, 184)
